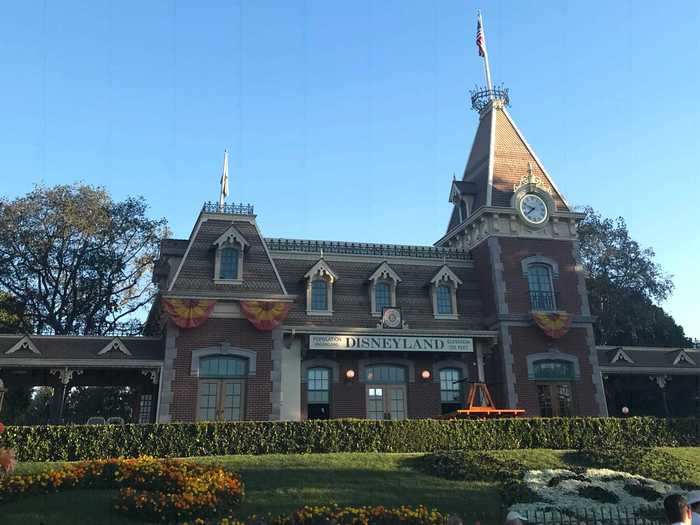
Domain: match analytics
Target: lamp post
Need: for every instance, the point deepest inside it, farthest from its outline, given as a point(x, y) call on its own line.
point(3, 391)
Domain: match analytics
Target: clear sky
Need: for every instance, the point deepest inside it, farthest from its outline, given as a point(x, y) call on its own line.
point(346, 120)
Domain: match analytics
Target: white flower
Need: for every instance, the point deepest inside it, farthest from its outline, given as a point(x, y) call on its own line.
point(565, 494)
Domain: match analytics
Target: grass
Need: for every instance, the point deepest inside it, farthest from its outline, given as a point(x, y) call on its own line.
point(280, 483)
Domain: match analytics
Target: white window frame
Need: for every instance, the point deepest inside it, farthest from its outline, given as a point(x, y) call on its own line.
point(550, 272)
point(231, 238)
point(445, 276)
point(320, 270)
point(383, 274)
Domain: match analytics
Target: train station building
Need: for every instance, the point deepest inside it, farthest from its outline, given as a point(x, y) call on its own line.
point(250, 327)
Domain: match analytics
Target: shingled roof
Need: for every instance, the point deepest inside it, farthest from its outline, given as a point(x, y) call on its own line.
point(49, 349)
point(500, 151)
point(631, 359)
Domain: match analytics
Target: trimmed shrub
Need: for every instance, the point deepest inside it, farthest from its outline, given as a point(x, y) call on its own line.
point(470, 466)
point(69, 443)
point(643, 461)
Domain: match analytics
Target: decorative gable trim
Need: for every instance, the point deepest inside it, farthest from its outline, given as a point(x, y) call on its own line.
point(445, 274)
point(231, 236)
point(24, 344)
point(115, 344)
point(683, 357)
point(621, 355)
point(386, 272)
point(321, 269)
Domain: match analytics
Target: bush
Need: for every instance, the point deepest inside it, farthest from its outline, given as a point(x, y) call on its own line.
point(470, 466)
point(69, 443)
point(643, 461)
point(362, 516)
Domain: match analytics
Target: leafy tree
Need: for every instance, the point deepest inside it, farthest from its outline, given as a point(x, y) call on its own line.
point(12, 319)
point(624, 283)
point(76, 259)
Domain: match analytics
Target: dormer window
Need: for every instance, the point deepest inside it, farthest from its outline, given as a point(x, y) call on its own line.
point(444, 300)
point(382, 288)
point(319, 289)
point(228, 268)
point(443, 288)
point(228, 265)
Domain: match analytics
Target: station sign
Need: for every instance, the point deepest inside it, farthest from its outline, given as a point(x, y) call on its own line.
point(389, 343)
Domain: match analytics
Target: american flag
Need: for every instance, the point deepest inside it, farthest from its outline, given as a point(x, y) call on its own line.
point(480, 38)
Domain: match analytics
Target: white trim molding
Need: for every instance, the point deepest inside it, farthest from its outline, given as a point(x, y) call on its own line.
point(24, 344)
point(445, 277)
point(115, 344)
point(320, 271)
point(539, 259)
point(683, 357)
point(231, 238)
point(223, 349)
point(551, 356)
point(383, 274)
point(621, 355)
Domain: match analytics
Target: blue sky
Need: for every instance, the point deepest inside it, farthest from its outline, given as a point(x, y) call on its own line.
point(346, 120)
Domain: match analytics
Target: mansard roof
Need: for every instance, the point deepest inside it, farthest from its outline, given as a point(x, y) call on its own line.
point(356, 262)
point(190, 272)
point(499, 159)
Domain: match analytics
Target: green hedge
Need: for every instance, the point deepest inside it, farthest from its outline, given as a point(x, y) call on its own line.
point(46, 443)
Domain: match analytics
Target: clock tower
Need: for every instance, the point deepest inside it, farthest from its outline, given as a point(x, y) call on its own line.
point(522, 235)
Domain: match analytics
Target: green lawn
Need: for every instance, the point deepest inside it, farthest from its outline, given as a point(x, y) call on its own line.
point(279, 483)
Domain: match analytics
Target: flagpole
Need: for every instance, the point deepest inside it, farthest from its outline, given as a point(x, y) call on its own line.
point(224, 181)
point(487, 69)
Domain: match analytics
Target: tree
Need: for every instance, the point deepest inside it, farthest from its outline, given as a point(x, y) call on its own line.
point(83, 402)
point(624, 283)
point(12, 318)
point(76, 259)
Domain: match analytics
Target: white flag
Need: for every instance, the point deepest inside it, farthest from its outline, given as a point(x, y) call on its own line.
point(224, 180)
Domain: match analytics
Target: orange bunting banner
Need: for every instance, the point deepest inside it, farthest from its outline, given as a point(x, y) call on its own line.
point(188, 313)
point(265, 315)
point(554, 324)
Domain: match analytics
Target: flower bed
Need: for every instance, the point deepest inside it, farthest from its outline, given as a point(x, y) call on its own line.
point(361, 516)
point(600, 491)
point(151, 489)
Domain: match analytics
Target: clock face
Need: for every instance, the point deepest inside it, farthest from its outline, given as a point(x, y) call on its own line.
point(391, 317)
point(533, 208)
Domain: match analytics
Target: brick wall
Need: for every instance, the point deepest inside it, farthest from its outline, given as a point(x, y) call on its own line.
point(529, 340)
point(513, 251)
point(236, 332)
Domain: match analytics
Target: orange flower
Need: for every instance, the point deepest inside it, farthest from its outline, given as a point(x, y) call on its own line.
point(8, 460)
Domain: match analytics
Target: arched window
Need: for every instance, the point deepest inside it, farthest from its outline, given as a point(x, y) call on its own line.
point(221, 388)
point(539, 278)
point(319, 295)
point(554, 370)
point(444, 300)
point(555, 387)
point(382, 295)
point(228, 266)
point(222, 366)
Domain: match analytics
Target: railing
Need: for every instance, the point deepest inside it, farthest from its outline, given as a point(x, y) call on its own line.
point(592, 516)
point(231, 209)
point(359, 248)
point(482, 97)
point(546, 301)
